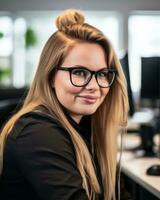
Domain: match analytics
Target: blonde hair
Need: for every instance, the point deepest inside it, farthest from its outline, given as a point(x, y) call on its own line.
point(112, 113)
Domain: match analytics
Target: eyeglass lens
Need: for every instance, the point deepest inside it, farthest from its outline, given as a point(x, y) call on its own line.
point(81, 77)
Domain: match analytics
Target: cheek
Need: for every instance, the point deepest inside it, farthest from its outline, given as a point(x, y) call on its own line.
point(63, 85)
point(74, 90)
point(67, 87)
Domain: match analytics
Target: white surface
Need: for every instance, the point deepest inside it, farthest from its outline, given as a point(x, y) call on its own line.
point(135, 168)
point(142, 117)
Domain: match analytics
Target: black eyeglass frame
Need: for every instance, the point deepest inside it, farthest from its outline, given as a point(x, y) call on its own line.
point(70, 69)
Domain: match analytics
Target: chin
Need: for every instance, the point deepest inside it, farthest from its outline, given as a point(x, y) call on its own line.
point(89, 112)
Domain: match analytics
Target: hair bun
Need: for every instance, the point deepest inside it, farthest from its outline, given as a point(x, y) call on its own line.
point(68, 18)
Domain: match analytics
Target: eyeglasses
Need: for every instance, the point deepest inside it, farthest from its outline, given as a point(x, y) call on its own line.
point(81, 76)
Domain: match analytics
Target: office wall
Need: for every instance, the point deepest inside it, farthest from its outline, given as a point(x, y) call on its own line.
point(120, 5)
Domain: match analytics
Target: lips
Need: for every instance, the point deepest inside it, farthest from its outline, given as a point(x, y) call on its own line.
point(89, 98)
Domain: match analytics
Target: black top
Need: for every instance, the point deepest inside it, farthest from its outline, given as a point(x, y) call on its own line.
point(40, 161)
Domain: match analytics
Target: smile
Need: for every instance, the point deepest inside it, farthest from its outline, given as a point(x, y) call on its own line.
point(88, 99)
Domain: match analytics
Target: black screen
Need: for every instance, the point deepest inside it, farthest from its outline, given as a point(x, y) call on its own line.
point(150, 78)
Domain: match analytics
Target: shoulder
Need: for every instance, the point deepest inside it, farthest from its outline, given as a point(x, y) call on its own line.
point(43, 150)
point(39, 128)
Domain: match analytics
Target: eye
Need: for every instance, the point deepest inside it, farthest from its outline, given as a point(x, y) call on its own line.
point(103, 74)
point(80, 72)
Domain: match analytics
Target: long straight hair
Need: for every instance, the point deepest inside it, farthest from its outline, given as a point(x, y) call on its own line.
point(111, 114)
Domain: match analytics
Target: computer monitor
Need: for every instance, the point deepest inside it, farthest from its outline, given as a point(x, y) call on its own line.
point(150, 78)
point(125, 65)
point(150, 89)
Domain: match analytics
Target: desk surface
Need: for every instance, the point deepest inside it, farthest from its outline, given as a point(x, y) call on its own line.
point(135, 167)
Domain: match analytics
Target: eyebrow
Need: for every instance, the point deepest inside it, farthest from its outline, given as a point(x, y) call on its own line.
point(83, 67)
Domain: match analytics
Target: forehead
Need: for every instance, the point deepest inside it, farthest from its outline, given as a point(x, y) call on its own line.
point(89, 55)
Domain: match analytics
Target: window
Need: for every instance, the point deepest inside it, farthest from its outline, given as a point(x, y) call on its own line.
point(6, 48)
point(144, 41)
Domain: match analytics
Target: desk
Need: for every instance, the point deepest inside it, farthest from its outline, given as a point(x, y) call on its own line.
point(135, 168)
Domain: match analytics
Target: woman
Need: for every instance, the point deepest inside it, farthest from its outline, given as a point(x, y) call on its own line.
point(61, 144)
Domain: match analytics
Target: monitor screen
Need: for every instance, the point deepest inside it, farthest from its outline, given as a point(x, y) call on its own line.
point(150, 78)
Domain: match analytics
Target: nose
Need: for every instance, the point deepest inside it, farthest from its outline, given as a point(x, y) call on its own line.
point(92, 84)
